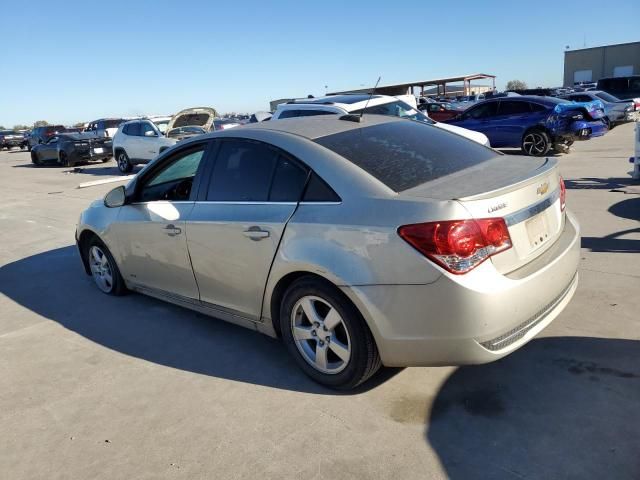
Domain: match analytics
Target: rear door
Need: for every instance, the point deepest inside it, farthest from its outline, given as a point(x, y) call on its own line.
point(147, 141)
point(236, 225)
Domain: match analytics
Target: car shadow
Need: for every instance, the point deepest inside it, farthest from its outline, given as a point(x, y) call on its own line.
point(559, 408)
point(594, 183)
point(53, 284)
point(93, 169)
point(615, 242)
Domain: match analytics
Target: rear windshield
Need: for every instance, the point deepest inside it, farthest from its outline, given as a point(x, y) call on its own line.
point(403, 155)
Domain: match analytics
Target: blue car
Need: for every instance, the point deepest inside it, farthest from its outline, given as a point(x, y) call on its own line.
point(535, 124)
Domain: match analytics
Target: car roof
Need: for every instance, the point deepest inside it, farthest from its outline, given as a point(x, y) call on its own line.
point(310, 127)
point(347, 103)
point(346, 99)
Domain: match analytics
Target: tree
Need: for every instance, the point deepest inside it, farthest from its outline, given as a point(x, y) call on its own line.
point(79, 125)
point(40, 123)
point(516, 85)
point(20, 127)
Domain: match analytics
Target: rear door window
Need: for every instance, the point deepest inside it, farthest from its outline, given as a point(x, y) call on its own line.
point(403, 155)
point(510, 107)
point(484, 110)
point(242, 172)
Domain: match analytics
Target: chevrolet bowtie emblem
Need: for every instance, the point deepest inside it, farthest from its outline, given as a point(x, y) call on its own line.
point(543, 188)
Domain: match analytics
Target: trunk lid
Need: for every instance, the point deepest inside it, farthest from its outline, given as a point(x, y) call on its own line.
point(525, 191)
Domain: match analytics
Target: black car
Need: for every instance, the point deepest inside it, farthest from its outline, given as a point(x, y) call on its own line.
point(625, 88)
point(11, 138)
point(43, 134)
point(69, 149)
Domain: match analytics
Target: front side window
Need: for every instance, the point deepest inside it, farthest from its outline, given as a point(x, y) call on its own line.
point(174, 180)
point(52, 140)
point(147, 127)
point(513, 108)
point(133, 129)
point(485, 110)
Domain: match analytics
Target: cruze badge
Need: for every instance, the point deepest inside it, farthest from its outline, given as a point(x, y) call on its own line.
point(496, 207)
point(543, 188)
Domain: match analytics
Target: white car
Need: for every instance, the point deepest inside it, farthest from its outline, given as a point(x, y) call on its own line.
point(138, 142)
point(355, 104)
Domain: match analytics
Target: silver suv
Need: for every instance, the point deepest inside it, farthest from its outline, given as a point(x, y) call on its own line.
point(138, 142)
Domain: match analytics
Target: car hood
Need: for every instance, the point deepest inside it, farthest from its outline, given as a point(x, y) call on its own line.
point(479, 137)
point(193, 117)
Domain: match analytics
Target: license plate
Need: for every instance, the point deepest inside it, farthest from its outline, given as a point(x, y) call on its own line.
point(537, 230)
point(98, 150)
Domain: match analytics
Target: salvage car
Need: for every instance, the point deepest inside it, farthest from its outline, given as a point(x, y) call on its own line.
point(12, 138)
point(534, 124)
point(42, 134)
point(361, 103)
point(201, 117)
point(441, 112)
point(70, 149)
point(361, 243)
point(616, 111)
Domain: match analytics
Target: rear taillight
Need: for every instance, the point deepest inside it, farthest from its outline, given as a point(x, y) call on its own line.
point(563, 195)
point(458, 245)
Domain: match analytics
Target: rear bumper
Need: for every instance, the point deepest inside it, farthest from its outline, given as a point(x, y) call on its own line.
point(474, 318)
point(586, 130)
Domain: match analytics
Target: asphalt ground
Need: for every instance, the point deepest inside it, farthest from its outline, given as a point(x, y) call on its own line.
point(98, 387)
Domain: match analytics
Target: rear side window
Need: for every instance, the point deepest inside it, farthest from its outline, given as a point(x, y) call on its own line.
point(318, 191)
point(485, 110)
point(242, 172)
point(288, 181)
point(536, 107)
point(406, 154)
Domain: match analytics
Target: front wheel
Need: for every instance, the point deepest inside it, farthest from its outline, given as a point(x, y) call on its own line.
point(536, 143)
point(326, 335)
point(104, 270)
point(124, 165)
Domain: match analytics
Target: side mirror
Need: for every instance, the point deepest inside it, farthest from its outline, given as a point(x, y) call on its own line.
point(149, 133)
point(115, 198)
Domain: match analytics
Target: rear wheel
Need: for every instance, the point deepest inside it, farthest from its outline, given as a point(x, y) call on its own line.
point(536, 143)
point(105, 160)
point(124, 165)
point(104, 270)
point(326, 335)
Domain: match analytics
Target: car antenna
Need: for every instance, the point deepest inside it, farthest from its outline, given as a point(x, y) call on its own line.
point(373, 90)
point(358, 118)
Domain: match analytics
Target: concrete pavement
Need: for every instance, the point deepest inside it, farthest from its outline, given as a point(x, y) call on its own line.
point(93, 386)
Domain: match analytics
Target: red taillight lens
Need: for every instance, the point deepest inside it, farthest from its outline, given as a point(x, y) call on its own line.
point(563, 195)
point(458, 245)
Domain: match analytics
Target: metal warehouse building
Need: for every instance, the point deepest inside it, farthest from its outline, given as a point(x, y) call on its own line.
point(592, 64)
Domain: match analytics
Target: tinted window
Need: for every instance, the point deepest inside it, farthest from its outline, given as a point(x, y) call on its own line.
point(484, 110)
point(318, 191)
point(607, 97)
point(146, 127)
point(513, 108)
point(304, 113)
point(536, 107)
point(134, 129)
point(288, 181)
point(403, 155)
point(242, 172)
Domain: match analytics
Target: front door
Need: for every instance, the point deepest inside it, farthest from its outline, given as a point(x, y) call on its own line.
point(513, 118)
point(234, 232)
point(151, 232)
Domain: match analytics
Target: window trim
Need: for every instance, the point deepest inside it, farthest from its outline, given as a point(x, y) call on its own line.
point(204, 187)
point(163, 161)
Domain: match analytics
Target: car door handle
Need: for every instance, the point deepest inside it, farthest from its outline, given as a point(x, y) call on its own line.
point(256, 233)
point(172, 230)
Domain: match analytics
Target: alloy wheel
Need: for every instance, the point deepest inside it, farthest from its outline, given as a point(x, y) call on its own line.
point(100, 269)
point(534, 144)
point(123, 162)
point(320, 334)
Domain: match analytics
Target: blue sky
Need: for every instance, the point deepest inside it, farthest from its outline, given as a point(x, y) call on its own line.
point(78, 61)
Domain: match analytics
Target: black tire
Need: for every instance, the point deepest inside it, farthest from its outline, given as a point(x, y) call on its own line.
point(28, 148)
point(35, 159)
point(63, 160)
point(105, 160)
point(117, 286)
point(607, 122)
point(364, 359)
point(124, 164)
point(536, 143)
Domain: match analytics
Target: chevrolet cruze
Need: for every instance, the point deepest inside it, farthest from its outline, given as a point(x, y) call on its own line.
point(360, 241)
